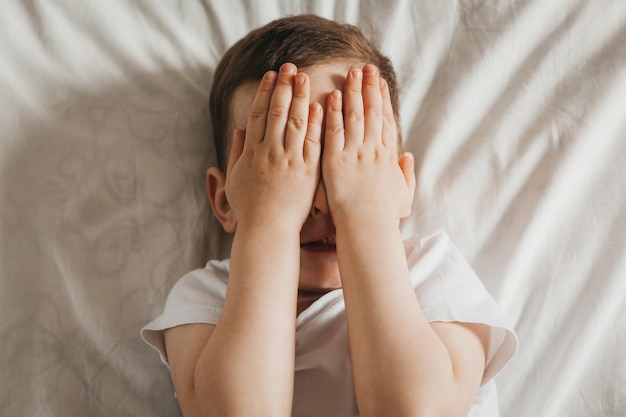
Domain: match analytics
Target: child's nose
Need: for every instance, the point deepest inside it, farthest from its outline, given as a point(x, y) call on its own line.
point(320, 202)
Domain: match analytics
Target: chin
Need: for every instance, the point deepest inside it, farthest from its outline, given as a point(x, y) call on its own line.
point(319, 274)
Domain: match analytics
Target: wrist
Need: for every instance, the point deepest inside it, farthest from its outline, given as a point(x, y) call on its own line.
point(266, 250)
point(269, 222)
point(366, 227)
point(273, 230)
point(366, 217)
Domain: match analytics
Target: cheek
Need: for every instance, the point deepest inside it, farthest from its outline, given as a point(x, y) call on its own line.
point(241, 104)
point(239, 120)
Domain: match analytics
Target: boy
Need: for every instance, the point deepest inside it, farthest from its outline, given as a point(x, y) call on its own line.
point(322, 309)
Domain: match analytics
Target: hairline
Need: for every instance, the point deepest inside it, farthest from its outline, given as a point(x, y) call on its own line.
point(349, 64)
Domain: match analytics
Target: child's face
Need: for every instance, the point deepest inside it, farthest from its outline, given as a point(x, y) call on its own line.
point(318, 258)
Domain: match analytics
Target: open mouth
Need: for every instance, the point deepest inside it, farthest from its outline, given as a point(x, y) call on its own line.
point(327, 243)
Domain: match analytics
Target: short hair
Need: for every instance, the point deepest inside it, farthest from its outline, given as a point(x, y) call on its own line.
point(304, 40)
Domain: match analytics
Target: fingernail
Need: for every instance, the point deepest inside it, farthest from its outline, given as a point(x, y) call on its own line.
point(288, 68)
point(270, 76)
point(369, 69)
point(357, 74)
point(316, 107)
point(300, 78)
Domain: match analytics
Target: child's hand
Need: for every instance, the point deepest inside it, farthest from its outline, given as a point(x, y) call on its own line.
point(273, 171)
point(360, 166)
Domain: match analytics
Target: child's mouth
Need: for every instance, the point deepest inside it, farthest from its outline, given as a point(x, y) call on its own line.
point(324, 244)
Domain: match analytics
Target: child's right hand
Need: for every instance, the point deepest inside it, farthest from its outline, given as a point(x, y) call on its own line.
point(274, 165)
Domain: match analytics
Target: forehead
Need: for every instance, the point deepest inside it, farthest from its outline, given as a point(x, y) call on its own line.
point(324, 78)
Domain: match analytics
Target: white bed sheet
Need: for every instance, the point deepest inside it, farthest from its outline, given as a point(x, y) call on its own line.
point(515, 113)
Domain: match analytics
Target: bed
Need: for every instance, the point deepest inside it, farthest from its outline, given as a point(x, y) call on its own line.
point(514, 111)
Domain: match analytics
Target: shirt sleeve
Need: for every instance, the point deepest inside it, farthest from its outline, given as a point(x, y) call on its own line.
point(198, 297)
point(448, 290)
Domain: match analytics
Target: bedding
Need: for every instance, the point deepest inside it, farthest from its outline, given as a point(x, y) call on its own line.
point(514, 112)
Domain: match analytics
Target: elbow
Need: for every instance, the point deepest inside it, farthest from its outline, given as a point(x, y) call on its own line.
point(202, 404)
point(195, 401)
point(189, 404)
point(438, 400)
point(213, 403)
point(430, 408)
point(449, 400)
point(194, 404)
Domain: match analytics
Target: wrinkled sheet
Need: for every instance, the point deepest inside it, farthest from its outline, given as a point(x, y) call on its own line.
point(515, 113)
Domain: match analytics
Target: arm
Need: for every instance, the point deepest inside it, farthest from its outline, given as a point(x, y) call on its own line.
point(402, 365)
point(245, 364)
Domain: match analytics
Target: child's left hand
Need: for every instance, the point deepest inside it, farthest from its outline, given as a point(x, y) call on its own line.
point(360, 166)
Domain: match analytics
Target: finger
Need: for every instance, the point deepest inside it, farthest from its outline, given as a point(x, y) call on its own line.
point(390, 130)
point(372, 105)
point(353, 107)
point(258, 113)
point(297, 122)
point(279, 105)
point(313, 139)
point(236, 148)
point(334, 139)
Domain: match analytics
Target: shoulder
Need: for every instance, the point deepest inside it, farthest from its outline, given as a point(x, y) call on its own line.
point(196, 285)
point(434, 255)
point(449, 290)
point(436, 243)
point(445, 283)
point(197, 297)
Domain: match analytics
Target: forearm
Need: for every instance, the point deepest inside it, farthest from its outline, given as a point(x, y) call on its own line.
point(247, 367)
point(400, 365)
point(245, 364)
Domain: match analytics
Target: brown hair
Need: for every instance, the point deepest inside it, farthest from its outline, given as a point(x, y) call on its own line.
point(304, 40)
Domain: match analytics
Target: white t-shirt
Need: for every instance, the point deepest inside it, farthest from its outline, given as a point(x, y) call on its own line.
point(447, 290)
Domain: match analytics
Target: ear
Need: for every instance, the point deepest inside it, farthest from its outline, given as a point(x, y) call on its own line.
point(216, 190)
